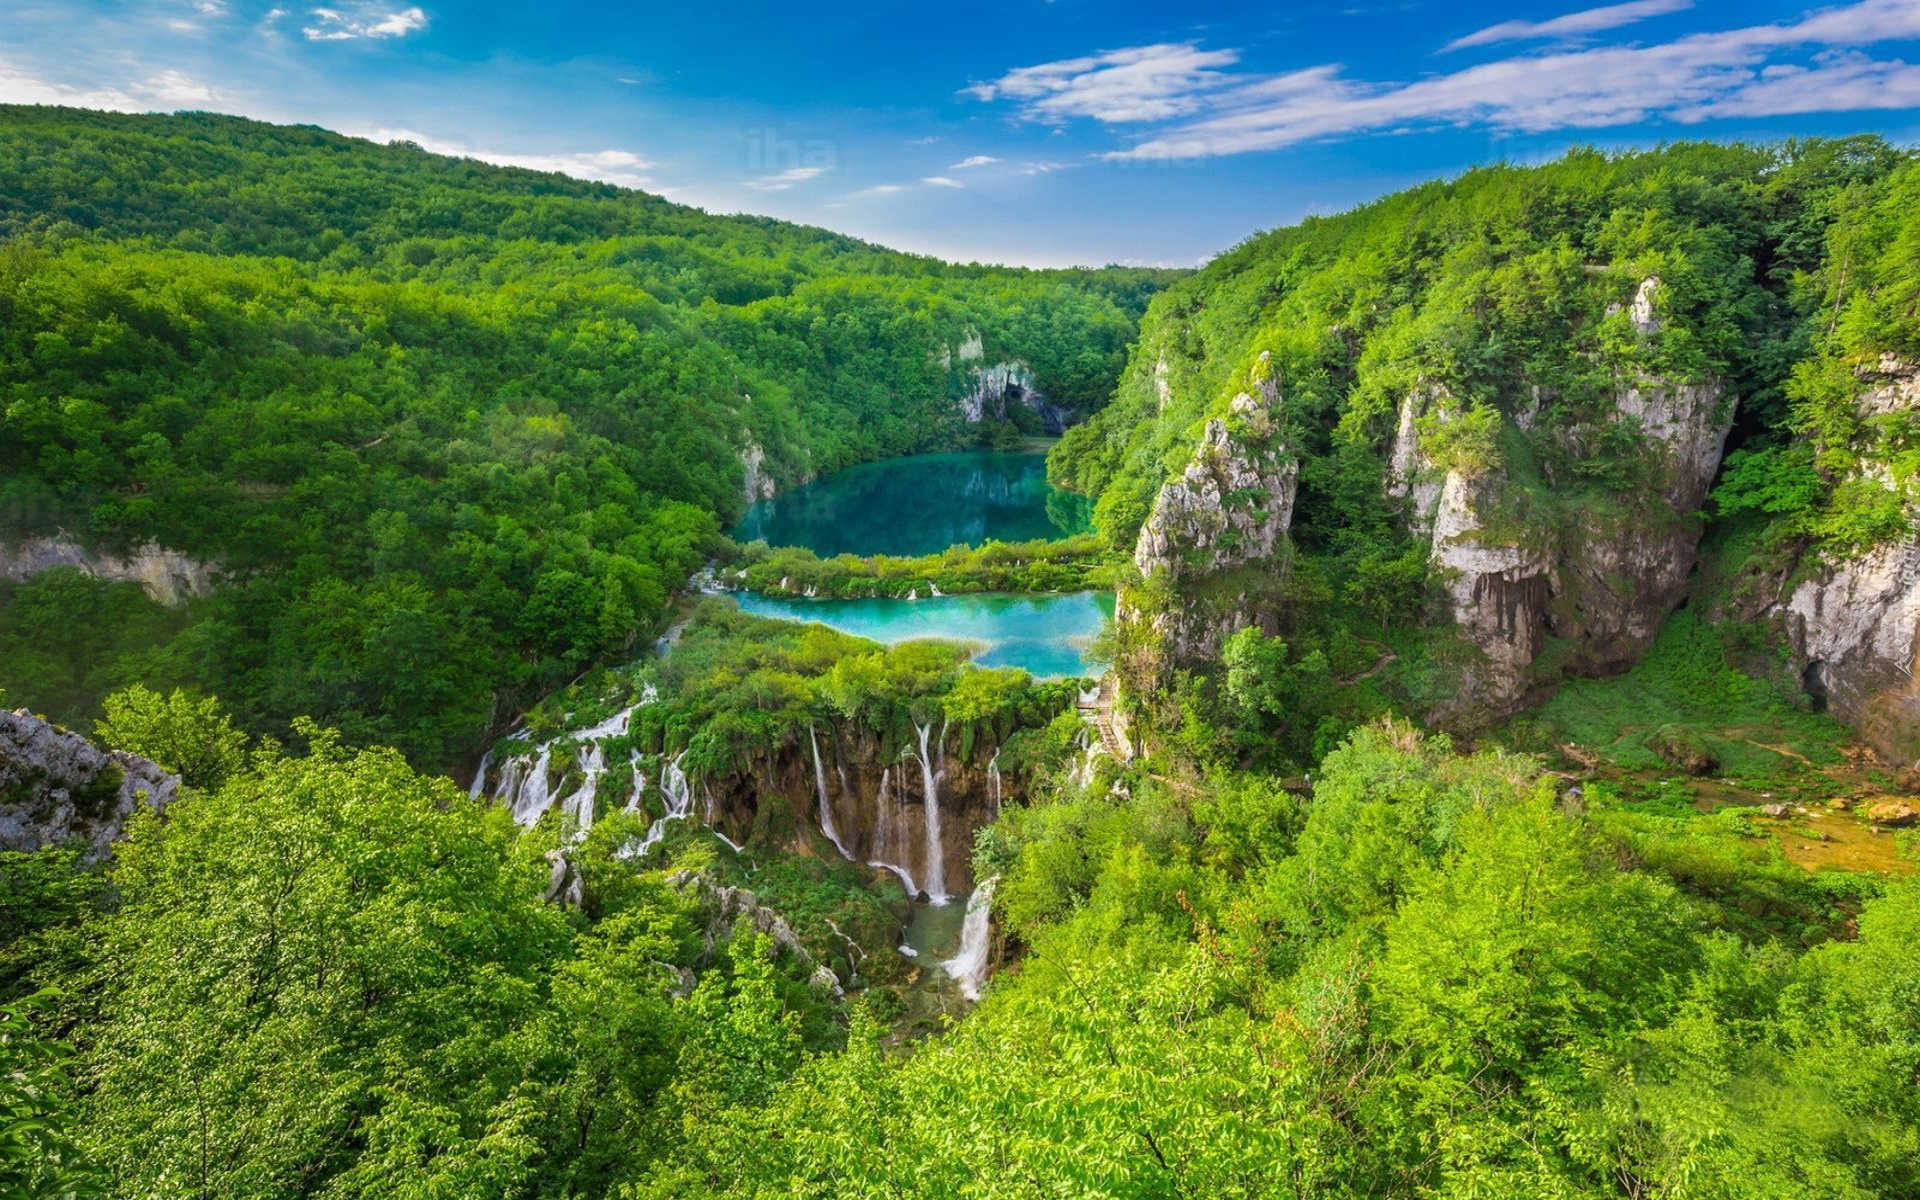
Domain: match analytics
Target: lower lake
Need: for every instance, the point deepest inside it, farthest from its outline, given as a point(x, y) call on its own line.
point(1048, 636)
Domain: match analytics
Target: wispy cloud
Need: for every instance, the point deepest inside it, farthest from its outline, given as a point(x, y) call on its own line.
point(1145, 83)
point(1573, 25)
point(168, 89)
point(362, 21)
point(1188, 107)
point(621, 167)
point(942, 181)
point(977, 160)
point(785, 179)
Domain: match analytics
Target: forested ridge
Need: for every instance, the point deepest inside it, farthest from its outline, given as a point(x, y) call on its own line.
point(453, 431)
point(1648, 927)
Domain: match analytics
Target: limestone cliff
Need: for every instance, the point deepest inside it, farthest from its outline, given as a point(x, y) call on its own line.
point(993, 391)
point(1852, 623)
point(168, 576)
point(56, 785)
point(1229, 509)
point(1595, 567)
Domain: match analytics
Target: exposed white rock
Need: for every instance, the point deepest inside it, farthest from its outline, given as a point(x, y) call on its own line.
point(1855, 625)
point(1234, 502)
point(758, 484)
point(168, 576)
point(55, 785)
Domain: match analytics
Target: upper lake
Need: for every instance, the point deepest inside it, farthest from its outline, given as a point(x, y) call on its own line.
point(919, 505)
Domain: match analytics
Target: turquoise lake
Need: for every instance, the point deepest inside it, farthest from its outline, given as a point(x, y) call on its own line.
point(1047, 636)
point(923, 505)
point(919, 505)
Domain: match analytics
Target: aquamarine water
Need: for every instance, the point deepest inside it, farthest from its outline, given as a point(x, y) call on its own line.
point(1048, 636)
point(919, 505)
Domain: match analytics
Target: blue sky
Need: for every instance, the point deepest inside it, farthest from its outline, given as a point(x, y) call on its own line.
point(1071, 131)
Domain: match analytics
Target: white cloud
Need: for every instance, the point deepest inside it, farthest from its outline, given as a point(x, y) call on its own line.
point(1144, 83)
point(363, 21)
point(166, 90)
point(621, 167)
point(1593, 20)
point(1736, 72)
point(785, 179)
point(977, 160)
point(173, 87)
point(942, 181)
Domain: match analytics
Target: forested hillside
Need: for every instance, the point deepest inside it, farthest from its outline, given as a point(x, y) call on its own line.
point(452, 432)
point(1516, 579)
point(1480, 442)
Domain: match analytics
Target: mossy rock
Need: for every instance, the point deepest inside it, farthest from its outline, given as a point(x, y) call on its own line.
point(1683, 750)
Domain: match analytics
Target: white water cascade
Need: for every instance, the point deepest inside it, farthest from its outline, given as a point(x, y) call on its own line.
point(531, 800)
point(994, 789)
point(936, 854)
point(888, 842)
point(826, 809)
point(969, 966)
point(479, 787)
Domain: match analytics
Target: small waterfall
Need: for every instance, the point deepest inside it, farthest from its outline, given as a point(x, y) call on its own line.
point(936, 853)
point(579, 806)
point(993, 783)
point(933, 589)
point(532, 798)
point(889, 844)
point(826, 809)
point(677, 792)
point(479, 787)
point(969, 966)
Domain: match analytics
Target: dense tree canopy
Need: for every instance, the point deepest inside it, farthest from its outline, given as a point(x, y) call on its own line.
point(452, 432)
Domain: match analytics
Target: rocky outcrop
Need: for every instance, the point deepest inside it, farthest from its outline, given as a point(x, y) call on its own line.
point(170, 577)
point(1229, 509)
point(1602, 579)
point(757, 484)
point(1853, 624)
point(56, 785)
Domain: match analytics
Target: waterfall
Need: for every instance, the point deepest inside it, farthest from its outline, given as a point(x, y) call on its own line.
point(479, 787)
point(993, 783)
point(532, 798)
point(936, 853)
point(524, 782)
point(969, 966)
point(678, 794)
point(887, 841)
point(826, 810)
point(933, 589)
point(579, 806)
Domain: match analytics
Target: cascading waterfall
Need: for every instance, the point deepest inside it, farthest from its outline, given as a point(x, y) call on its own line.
point(677, 792)
point(936, 854)
point(826, 809)
point(579, 806)
point(480, 776)
point(993, 783)
point(888, 843)
point(532, 798)
point(969, 966)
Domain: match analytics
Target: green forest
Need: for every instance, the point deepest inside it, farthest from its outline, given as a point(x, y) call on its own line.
point(450, 433)
point(1282, 917)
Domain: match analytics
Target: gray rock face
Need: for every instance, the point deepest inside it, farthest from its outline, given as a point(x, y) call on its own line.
point(997, 389)
point(1230, 509)
point(1604, 586)
point(56, 785)
point(758, 485)
point(1234, 502)
point(168, 576)
point(1853, 625)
